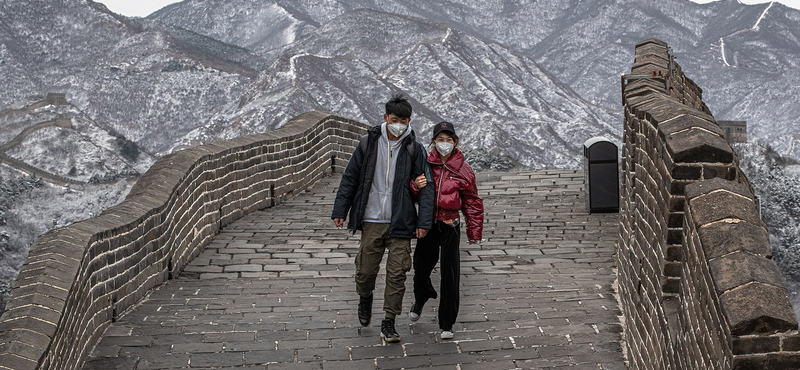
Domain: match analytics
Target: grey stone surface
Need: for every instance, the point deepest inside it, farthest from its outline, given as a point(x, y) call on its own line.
point(723, 204)
point(699, 188)
point(685, 122)
point(697, 145)
point(721, 238)
point(545, 266)
point(758, 308)
point(739, 268)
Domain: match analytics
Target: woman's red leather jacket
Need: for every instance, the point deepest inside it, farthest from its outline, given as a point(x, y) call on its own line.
point(455, 189)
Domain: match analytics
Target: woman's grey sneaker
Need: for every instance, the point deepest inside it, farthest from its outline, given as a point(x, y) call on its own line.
point(387, 331)
point(447, 334)
point(416, 312)
point(365, 310)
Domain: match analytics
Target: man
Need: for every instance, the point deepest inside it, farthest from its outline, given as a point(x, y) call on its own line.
point(375, 191)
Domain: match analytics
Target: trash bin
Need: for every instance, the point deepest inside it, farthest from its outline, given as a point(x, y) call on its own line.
point(601, 175)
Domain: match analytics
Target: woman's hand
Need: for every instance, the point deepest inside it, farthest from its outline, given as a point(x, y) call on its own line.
point(421, 181)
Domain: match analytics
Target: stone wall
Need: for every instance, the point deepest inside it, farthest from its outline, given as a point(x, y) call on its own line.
point(79, 278)
point(697, 285)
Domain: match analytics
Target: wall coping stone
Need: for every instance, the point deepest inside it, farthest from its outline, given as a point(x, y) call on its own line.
point(699, 188)
point(724, 237)
point(685, 121)
point(721, 205)
point(740, 268)
point(651, 41)
point(758, 308)
point(698, 146)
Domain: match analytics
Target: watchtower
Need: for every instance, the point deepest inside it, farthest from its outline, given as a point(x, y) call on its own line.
point(735, 131)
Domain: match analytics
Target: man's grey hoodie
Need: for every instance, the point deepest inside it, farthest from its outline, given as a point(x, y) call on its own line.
point(379, 206)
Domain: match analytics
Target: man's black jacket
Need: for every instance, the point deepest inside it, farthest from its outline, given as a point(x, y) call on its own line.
point(357, 181)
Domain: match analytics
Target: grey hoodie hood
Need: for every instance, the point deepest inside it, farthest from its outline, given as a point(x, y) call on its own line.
point(379, 205)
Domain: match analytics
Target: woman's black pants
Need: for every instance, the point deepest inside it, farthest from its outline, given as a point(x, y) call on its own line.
point(426, 255)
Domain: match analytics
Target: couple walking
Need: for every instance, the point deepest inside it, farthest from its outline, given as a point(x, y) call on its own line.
point(388, 172)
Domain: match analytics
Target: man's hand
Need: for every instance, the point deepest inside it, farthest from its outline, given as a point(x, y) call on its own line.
point(339, 222)
point(421, 181)
point(421, 233)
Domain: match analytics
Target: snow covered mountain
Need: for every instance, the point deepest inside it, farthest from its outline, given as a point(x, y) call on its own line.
point(497, 98)
point(745, 57)
point(147, 81)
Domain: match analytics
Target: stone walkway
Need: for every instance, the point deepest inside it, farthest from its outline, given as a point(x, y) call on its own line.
point(275, 290)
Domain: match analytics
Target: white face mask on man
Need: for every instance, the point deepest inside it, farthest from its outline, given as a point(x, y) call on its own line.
point(444, 148)
point(397, 129)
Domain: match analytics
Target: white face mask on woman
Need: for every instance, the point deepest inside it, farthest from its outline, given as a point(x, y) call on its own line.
point(444, 148)
point(397, 129)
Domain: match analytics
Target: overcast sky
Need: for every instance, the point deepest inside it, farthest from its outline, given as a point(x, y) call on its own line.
point(143, 8)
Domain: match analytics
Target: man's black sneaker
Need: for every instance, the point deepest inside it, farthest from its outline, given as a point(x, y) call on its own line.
point(387, 331)
point(365, 310)
point(416, 311)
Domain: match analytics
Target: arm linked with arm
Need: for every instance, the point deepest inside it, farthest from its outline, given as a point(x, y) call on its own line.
point(414, 190)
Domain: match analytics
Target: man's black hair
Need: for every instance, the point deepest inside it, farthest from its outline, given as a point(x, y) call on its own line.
point(399, 106)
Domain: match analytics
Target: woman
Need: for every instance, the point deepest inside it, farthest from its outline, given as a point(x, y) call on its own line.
point(455, 189)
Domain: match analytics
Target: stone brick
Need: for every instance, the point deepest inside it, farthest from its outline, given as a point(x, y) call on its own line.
point(757, 308)
point(12, 361)
point(32, 336)
point(791, 343)
point(739, 268)
point(697, 145)
point(105, 363)
point(751, 345)
point(643, 87)
point(651, 41)
point(397, 363)
point(635, 102)
point(685, 122)
point(783, 361)
point(668, 108)
point(38, 332)
point(23, 350)
point(708, 186)
point(686, 172)
point(750, 363)
point(720, 205)
point(721, 238)
point(358, 353)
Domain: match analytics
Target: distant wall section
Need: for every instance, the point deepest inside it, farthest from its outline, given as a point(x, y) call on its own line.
point(79, 278)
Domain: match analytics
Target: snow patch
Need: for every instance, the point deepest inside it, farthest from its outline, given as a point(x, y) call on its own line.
point(722, 50)
point(763, 14)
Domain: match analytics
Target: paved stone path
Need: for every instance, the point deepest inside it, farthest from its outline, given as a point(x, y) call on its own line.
point(275, 290)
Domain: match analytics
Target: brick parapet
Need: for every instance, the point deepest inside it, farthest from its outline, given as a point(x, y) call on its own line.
point(677, 316)
point(78, 279)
